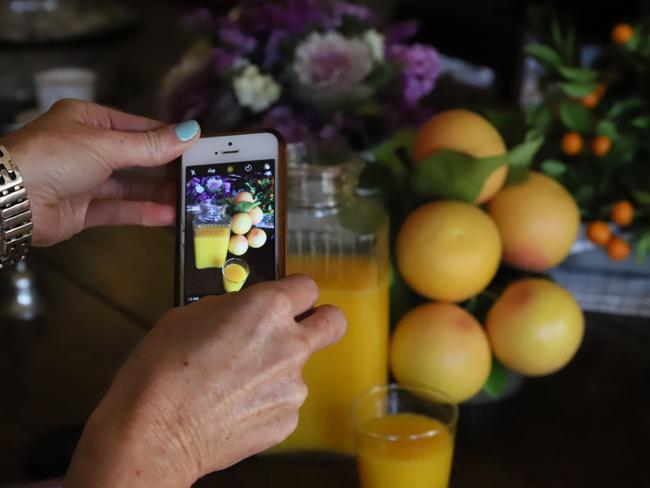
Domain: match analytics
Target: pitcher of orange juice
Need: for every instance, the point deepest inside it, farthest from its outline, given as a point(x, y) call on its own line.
point(341, 240)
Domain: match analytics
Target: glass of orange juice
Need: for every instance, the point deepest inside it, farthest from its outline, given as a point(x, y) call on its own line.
point(404, 437)
point(235, 272)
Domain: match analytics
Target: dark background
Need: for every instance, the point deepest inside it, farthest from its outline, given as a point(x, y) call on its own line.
point(587, 426)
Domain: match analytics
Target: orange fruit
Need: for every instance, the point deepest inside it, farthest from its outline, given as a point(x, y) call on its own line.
point(599, 232)
point(440, 345)
point(623, 213)
point(538, 221)
point(466, 132)
point(600, 145)
point(618, 249)
point(622, 33)
point(448, 250)
point(572, 143)
point(535, 327)
point(593, 99)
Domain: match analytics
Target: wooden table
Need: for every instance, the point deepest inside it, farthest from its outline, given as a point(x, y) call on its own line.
point(587, 426)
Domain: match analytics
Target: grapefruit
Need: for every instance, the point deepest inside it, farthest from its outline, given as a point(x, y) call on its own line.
point(467, 132)
point(256, 238)
point(241, 223)
point(538, 221)
point(440, 345)
point(238, 245)
point(448, 251)
point(244, 196)
point(535, 327)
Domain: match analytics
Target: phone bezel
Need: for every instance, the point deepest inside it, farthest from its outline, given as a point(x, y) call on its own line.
point(251, 145)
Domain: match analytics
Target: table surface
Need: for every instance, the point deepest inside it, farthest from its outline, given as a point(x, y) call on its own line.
point(585, 426)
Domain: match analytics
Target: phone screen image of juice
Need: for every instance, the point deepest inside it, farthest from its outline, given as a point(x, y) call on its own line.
point(229, 227)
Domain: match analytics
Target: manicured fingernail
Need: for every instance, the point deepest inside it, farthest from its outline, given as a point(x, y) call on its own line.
point(186, 131)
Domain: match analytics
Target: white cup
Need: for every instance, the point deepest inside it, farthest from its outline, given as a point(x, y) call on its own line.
point(58, 83)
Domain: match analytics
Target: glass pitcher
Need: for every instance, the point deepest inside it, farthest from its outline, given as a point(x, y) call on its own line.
point(341, 240)
point(211, 235)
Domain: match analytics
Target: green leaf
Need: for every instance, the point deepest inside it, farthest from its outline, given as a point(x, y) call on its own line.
point(497, 379)
point(624, 106)
point(553, 167)
point(522, 155)
point(389, 168)
point(244, 206)
point(574, 116)
point(607, 128)
point(544, 53)
point(642, 197)
point(539, 117)
point(453, 175)
point(578, 89)
point(643, 246)
point(579, 75)
point(642, 122)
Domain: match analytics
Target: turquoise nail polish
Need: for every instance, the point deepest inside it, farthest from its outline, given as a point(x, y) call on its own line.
point(186, 131)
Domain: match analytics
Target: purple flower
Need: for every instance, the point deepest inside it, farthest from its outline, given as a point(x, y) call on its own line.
point(223, 59)
point(420, 67)
point(292, 16)
point(234, 37)
point(288, 123)
point(402, 32)
point(213, 184)
point(272, 49)
point(347, 9)
point(331, 64)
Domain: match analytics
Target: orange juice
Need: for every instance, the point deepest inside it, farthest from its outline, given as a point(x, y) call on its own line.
point(234, 277)
point(358, 284)
point(211, 246)
point(405, 451)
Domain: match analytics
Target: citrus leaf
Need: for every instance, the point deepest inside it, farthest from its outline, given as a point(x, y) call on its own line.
point(643, 246)
point(522, 155)
point(574, 116)
point(553, 167)
point(578, 89)
point(642, 197)
point(497, 379)
point(244, 206)
point(620, 108)
point(543, 53)
point(607, 128)
point(390, 159)
point(642, 122)
point(578, 74)
point(453, 175)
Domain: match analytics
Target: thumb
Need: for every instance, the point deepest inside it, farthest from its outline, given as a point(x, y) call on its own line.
point(152, 147)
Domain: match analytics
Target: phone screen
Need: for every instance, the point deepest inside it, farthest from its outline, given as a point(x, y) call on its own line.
point(230, 239)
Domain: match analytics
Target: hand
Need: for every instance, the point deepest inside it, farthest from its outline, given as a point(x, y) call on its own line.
point(213, 383)
point(68, 158)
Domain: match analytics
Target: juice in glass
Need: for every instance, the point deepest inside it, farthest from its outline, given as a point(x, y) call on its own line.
point(235, 273)
point(338, 374)
point(211, 246)
point(405, 437)
point(211, 235)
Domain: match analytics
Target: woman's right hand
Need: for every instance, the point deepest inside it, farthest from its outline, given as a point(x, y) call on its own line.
point(212, 383)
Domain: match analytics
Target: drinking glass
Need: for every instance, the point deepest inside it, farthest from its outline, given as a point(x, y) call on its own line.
point(404, 437)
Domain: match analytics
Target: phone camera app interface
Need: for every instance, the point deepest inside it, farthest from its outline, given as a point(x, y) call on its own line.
point(229, 227)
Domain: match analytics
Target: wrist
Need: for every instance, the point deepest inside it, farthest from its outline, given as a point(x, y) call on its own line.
point(120, 448)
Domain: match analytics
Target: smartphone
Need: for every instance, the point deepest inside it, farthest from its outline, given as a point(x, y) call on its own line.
point(231, 218)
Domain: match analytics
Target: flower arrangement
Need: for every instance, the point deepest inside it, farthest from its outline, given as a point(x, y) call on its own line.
point(319, 71)
point(594, 121)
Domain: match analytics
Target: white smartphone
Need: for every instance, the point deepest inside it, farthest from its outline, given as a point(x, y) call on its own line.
point(231, 218)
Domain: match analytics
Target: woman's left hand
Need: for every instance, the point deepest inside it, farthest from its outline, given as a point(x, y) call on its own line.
point(68, 158)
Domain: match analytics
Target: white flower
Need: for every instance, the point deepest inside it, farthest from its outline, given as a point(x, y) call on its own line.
point(376, 44)
point(331, 63)
point(255, 90)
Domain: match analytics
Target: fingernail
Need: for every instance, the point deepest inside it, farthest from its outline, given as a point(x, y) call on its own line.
point(186, 131)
